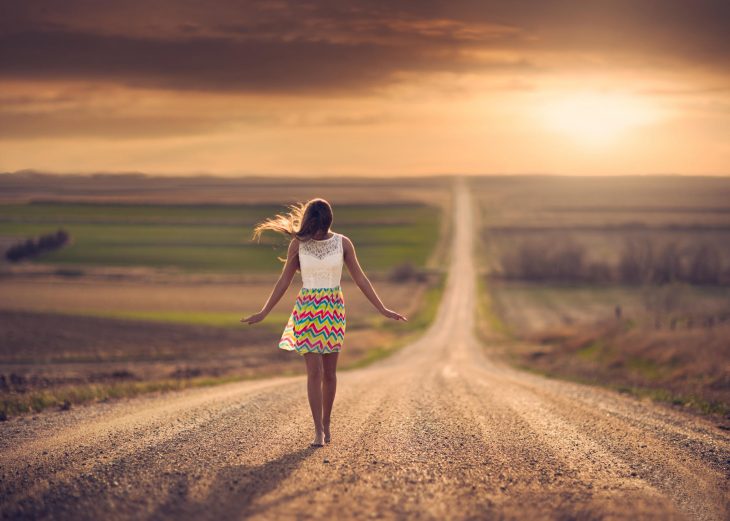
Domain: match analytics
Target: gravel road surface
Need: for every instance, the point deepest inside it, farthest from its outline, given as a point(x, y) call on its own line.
point(440, 430)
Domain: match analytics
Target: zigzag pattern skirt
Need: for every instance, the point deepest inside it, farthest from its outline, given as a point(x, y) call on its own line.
point(317, 322)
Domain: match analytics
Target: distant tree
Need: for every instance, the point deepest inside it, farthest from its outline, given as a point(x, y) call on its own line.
point(598, 272)
point(635, 264)
point(543, 260)
point(667, 265)
point(566, 261)
point(705, 266)
point(640, 263)
point(31, 248)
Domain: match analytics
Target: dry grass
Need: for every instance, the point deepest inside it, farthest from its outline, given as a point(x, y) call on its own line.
point(90, 352)
point(671, 342)
point(686, 367)
point(681, 366)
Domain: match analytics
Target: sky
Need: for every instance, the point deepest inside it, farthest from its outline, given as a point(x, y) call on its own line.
point(397, 87)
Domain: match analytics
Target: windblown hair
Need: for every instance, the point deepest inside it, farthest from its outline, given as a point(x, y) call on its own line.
point(302, 222)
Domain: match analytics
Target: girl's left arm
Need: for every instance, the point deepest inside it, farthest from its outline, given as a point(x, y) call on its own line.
point(363, 282)
point(287, 274)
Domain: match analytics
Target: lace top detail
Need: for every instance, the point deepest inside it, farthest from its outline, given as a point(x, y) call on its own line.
point(320, 262)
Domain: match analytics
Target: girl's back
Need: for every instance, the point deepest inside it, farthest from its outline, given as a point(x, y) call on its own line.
point(320, 262)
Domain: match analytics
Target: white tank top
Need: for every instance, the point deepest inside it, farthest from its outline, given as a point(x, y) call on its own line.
point(320, 262)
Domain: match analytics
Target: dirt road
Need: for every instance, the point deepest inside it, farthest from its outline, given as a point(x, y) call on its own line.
point(438, 431)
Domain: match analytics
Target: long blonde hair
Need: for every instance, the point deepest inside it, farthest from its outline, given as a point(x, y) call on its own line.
point(302, 222)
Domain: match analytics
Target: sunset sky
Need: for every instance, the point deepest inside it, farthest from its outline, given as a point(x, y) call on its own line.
point(377, 88)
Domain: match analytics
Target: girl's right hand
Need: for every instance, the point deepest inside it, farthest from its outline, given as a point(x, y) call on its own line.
point(392, 314)
point(256, 317)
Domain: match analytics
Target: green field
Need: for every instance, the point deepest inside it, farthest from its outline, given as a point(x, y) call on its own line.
point(213, 237)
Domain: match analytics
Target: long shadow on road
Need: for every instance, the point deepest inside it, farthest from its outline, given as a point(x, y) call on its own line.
point(234, 490)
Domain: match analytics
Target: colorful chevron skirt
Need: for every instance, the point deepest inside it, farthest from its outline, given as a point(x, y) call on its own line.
point(317, 322)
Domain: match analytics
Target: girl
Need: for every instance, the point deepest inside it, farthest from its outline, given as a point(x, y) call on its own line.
point(316, 327)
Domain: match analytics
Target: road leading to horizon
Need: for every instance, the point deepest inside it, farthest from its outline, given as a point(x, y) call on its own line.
point(437, 431)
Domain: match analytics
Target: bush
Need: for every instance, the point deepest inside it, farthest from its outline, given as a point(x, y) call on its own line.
point(406, 272)
point(31, 248)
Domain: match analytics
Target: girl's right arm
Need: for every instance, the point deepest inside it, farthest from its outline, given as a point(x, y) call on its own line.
point(287, 274)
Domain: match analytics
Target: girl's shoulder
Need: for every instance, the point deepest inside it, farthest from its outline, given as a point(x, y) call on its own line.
point(346, 241)
point(294, 245)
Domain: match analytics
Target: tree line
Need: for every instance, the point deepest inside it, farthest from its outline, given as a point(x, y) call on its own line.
point(641, 261)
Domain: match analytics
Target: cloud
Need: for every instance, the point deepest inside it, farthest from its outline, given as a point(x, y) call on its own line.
point(155, 68)
point(226, 63)
point(19, 125)
point(346, 47)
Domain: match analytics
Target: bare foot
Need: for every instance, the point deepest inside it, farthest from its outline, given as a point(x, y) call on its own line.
point(318, 439)
point(327, 435)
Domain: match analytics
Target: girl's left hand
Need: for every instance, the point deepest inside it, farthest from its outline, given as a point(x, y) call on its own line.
point(395, 316)
point(256, 317)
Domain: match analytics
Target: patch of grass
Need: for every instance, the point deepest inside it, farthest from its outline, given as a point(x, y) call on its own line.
point(487, 312)
point(592, 351)
point(382, 351)
point(201, 318)
point(648, 369)
point(425, 314)
point(213, 238)
point(224, 319)
point(659, 395)
point(13, 404)
point(410, 330)
point(689, 401)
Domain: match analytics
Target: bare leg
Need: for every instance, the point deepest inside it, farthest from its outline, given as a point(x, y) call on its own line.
point(329, 386)
point(314, 392)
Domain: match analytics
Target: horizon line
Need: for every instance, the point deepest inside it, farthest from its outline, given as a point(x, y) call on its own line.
point(244, 175)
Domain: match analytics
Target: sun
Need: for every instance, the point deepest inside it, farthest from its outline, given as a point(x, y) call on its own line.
point(596, 118)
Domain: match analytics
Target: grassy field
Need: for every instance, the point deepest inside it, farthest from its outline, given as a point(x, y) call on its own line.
point(666, 340)
point(212, 237)
point(148, 295)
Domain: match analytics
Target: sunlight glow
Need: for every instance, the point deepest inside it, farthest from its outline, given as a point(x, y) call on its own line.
point(597, 118)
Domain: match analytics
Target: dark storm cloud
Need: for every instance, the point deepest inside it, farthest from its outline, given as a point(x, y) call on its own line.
point(223, 63)
point(346, 46)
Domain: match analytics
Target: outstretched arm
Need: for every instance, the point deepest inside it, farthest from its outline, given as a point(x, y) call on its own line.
point(362, 281)
point(287, 274)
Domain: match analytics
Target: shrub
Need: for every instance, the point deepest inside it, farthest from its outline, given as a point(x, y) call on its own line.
point(31, 248)
point(405, 272)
